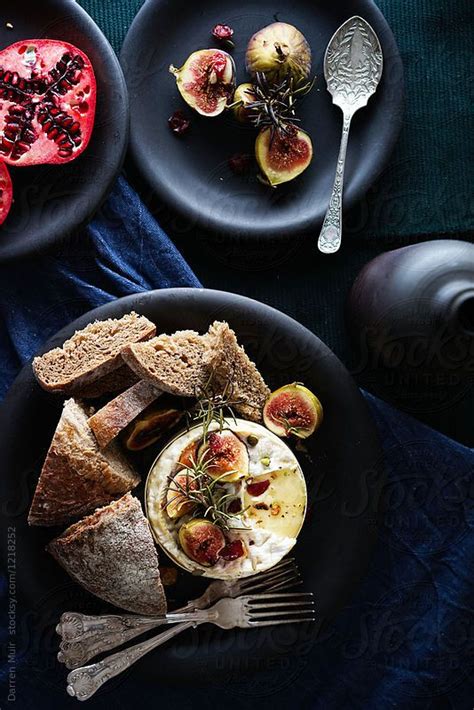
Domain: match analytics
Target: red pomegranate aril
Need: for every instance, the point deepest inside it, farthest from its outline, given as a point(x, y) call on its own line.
point(234, 506)
point(232, 551)
point(178, 122)
point(258, 488)
point(222, 32)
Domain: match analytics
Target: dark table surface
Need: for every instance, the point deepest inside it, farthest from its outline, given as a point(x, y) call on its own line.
point(424, 193)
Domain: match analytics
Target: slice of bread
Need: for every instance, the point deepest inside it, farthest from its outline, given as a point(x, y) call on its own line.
point(109, 421)
point(116, 381)
point(91, 353)
point(112, 554)
point(177, 363)
point(232, 368)
point(77, 476)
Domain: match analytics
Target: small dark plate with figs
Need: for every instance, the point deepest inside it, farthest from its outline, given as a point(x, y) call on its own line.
point(52, 201)
point(191, 174)
point(341, 463)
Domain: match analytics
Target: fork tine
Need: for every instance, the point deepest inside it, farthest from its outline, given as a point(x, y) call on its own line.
point(285, 565)
point(277, 622)
point(272, 579)
point(255, 608)
point(276, 614)
point(255, 598)
point(293, 581)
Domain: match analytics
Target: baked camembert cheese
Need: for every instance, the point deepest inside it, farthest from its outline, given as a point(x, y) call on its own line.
point(228, 506)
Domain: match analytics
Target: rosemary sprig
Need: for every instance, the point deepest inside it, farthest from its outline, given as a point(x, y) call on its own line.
point(275, 104)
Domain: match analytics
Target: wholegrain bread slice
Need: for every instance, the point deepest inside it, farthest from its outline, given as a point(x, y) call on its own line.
point(109, 421)
point(112, 554)
point(232, 369)
point(91, 353)
point(177, 363)
point(77, 476)
point(116, 381)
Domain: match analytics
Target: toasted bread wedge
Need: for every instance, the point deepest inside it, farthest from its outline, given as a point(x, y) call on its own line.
point(116, 381)
point(90, 354)
point(77, 476)
point(112, 554)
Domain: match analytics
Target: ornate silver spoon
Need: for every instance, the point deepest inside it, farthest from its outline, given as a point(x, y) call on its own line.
point(352, 67)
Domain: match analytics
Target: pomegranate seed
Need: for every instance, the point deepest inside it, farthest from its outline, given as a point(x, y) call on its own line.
point(241, 164)
point(258, 489)
point(232, 551)
point(222, 32)
point(178, 123)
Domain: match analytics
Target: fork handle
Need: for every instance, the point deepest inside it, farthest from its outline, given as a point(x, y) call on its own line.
point(84, 682)
point(331, 232)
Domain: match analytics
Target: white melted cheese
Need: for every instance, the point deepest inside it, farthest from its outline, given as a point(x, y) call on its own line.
point(268, 528)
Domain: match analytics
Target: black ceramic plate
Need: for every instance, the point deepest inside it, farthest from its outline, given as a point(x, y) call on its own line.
point(191, 175)
point(51, 201)
point(340, 467)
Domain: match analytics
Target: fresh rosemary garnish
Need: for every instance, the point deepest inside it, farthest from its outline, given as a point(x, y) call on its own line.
point(275, 104)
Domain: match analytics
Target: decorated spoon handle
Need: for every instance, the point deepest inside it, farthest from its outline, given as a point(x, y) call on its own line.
point(84, 682)
point(331, 233)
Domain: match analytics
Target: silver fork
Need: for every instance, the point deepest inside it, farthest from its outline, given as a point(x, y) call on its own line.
point(84, 637)
point(246, 612)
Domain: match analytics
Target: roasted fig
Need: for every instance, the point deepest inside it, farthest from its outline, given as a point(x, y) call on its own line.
point(293, 410)
point(243, 97)
point(177, 500)
point(283, 155)
point(227, 456)
point(148, 427)
point(189, 455)
point(279, 50)
point(6, 192)
point(206, 81)
point(201, 541)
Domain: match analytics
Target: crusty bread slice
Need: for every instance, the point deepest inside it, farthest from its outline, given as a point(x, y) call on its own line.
point(231, 365)
point(77, 476)
point(116, 381)
point(109, 421)
point(177, 363)
point(111, 553)
point(91, 353)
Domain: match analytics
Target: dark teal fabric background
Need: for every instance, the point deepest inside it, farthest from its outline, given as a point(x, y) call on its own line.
point(425, 192)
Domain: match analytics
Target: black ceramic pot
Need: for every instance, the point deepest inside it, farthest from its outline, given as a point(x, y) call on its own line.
point(411, 314)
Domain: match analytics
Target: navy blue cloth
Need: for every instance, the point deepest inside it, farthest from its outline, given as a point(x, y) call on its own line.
point(406, 638)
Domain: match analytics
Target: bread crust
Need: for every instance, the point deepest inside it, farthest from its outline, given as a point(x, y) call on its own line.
point(111, 419)
point(111, 553)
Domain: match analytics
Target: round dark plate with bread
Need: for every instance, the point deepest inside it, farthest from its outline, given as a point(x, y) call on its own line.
point(191, 173)
point(52, 201)
point(341, 463)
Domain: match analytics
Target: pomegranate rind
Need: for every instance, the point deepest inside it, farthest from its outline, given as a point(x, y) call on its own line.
point(6, 192)
point(206, 93)
point(226, 455)
point(49, 119)
point(201, 541)
point(294, 57)
point(293, 410)
point(283, 158)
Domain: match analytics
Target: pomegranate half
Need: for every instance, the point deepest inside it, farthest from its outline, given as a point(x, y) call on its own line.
point(47, 102)
point(6, 192)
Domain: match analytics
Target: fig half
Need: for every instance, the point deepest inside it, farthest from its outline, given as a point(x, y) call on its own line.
point(201, 541)
point(226, 455)
point(283, 155)
point(293, 410)
point(279, 50)
point(206, 81)
point(177, 501)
